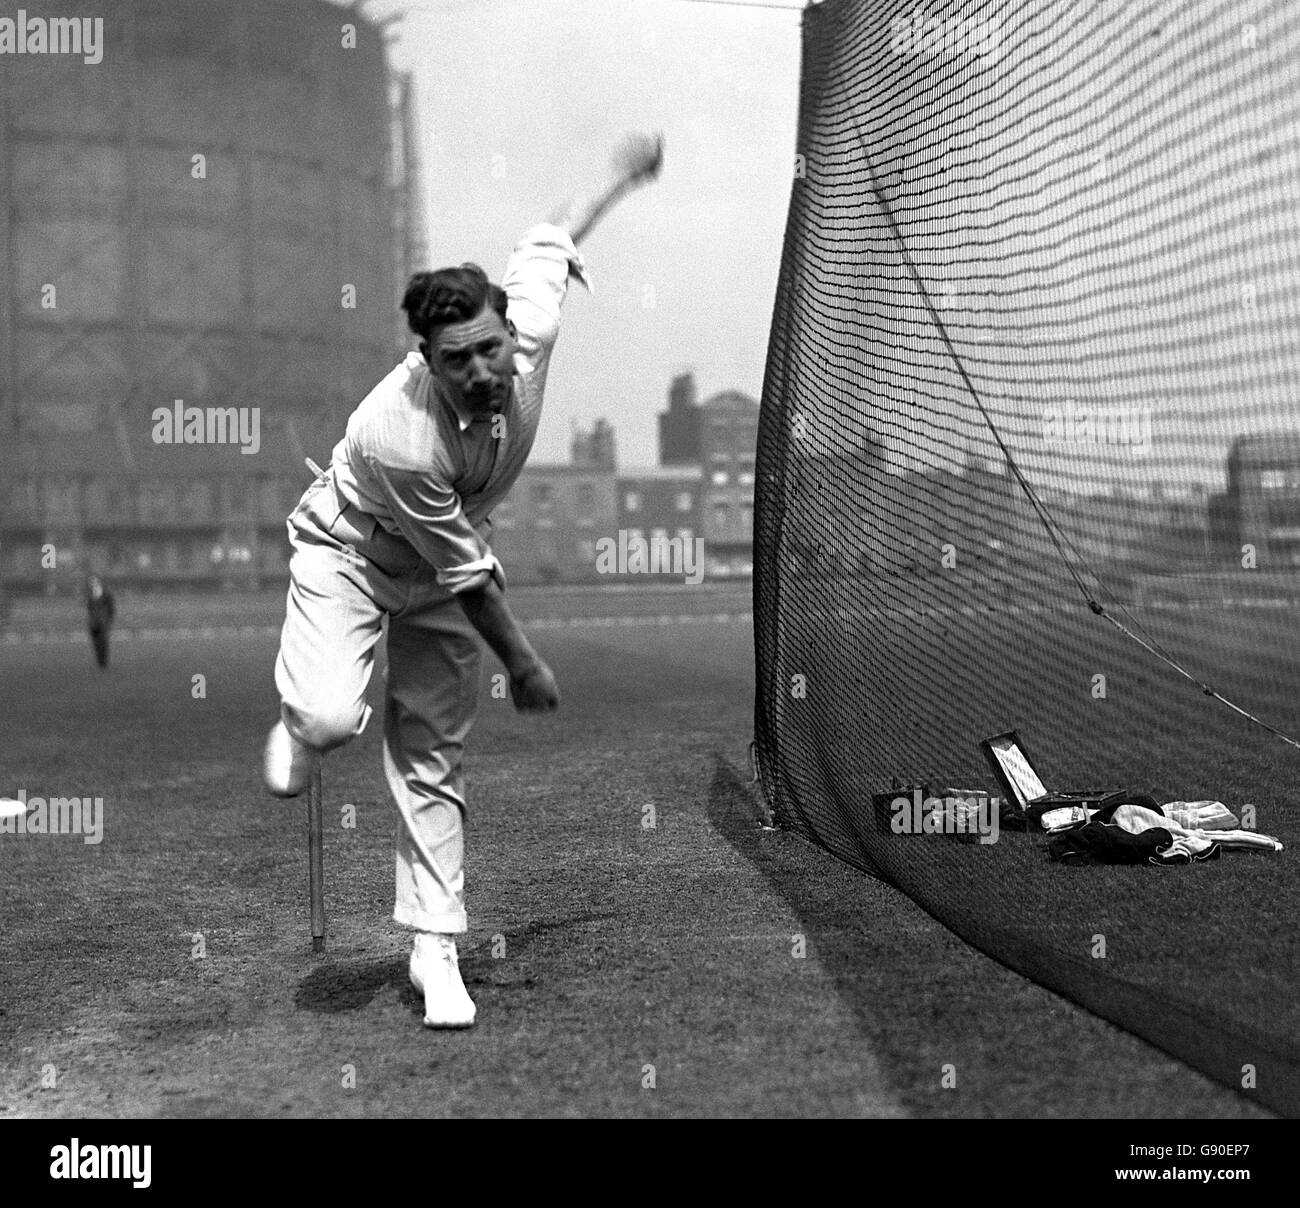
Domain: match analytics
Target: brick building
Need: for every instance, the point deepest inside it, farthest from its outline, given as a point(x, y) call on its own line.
point(549, 528)
point(147, 515)
point(679, 426)
point(663, 502)
point(728, 443)
point(545, 530)
point(1261, 506)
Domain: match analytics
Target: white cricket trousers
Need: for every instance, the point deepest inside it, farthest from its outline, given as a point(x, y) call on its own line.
point(345, 574)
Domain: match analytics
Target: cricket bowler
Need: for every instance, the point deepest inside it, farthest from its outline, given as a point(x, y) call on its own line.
point(399, 526)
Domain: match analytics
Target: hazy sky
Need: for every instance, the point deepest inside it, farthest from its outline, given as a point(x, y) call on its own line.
point(521, 103)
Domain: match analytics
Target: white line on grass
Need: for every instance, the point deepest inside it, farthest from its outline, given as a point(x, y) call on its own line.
point(210, 632)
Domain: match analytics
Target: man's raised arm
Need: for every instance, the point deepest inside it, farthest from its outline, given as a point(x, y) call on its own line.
point(532, 685)
point(637, 161)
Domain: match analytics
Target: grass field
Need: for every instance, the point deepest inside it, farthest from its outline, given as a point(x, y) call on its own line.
point(166, 971)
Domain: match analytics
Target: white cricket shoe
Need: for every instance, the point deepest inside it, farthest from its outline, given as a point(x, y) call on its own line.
point(286, 763)
point(435, 973)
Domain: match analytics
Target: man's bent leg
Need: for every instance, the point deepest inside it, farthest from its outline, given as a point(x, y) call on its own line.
point(434, 662)
point(332, 622)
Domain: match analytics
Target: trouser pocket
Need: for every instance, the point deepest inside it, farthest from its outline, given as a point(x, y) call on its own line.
point(324, 513)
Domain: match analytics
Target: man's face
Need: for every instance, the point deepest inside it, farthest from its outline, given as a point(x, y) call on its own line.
point(474, 360)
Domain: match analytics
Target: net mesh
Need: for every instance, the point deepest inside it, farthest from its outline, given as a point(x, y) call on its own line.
point(1031, 379)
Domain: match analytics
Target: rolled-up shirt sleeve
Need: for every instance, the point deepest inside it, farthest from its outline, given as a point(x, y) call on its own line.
point(536, 282)
point(428, 513)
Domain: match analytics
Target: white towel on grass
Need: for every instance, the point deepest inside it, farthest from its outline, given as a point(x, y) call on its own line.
point(1136, 819)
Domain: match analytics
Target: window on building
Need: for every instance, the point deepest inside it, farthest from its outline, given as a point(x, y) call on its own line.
point(721, 515)
point(94, 496)
point(747, 516)
point(746, 478)
point(686, 534)
point(273, 558)
point(683, 501)
point(543, 494)
point(632, 501)
point(60, 500)
point(22, 499)
point(239, 501)
point(719, 478)
point(586, 498)
point(659, 534)
point(269, 491)
point(153, 503)
point(198, 501)
point(587, 552)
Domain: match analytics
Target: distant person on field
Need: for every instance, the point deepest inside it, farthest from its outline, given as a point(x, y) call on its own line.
point(398, 525)
point(100, 611)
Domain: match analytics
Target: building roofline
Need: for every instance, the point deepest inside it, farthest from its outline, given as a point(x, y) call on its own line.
point(1265, 443)
point(727, 396)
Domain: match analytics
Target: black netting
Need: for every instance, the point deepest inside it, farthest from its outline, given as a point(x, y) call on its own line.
point(1036, 345)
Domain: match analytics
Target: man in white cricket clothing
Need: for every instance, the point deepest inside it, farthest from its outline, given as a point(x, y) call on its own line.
point(399, 525)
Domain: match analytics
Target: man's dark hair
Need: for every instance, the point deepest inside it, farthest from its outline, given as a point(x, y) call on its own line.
point(450, 295)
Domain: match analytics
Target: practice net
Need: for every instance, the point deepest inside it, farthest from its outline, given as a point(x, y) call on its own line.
point(1029, 458)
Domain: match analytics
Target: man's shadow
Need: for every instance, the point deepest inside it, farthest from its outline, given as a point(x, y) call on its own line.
point(340, 986)
point(337, 986)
